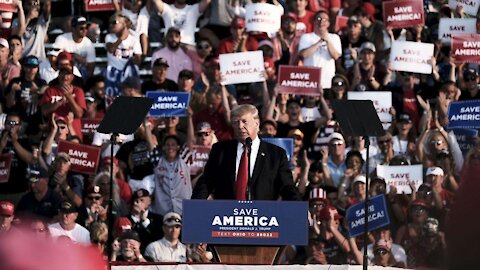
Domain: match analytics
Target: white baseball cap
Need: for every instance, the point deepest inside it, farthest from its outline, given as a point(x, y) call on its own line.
point(435, 171)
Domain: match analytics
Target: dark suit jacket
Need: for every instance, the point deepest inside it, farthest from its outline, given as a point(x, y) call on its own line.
point(271, 175)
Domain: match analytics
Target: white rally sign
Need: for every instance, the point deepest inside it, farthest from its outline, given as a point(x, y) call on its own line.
point(469, 6)
point(412, 56)
point(448, 26)
point(262, 17)
point(382, 101)
point(400, 176)
point(244, 67)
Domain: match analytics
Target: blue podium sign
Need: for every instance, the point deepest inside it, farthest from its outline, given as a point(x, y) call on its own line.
point(464, 114)
point(245, 222)
point(169, 103)
point(285, 143)
point(377, 216)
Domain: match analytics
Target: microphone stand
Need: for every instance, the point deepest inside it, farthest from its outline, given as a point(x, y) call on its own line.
point(248, 143)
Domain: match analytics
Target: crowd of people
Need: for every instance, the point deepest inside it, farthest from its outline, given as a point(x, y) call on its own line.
point(48, 93)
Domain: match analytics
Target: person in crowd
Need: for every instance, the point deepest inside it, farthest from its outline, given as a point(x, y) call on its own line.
point(39, 228)
point(340, 86)
point(132, 87)
point(23, 93)
point(16, 50)
point(239, 41)
point(7, 214)
point(351, 42)
point(203, 49)
point(65, 61)
point(385, 153)
point(139, 15)
point(469, 84)
point(95, 85)
point(124, 188)
point(42, 201)
point(217, 113)
point(321, 48)
point(373, 30)
point(34, 29)
point(172, 179)
point(7, 70)
point(134, 156)
point(65, 98)
point(169, 248)
point(103, 181)
point(173, 53)
point(146, 223)
point(13, 143)
point(285, 43)
point(303, 15)
point(182, 16)
point(65, 182)
point(129, 249)
point(186, 81)
point(122, 46)
point(99, 237)
point(159, 80)
point(367, 75)
point(66, 225)
point(92, 211)
point(404, 140)
point(336, 158)
point(79, 45)
point(409, 235)
point(273, 180)
point(334, 245)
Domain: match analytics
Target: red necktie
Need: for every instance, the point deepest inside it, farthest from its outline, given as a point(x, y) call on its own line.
point(242, 176)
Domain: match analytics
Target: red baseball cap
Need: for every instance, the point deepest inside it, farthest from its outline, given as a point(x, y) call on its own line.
point(238, 22)
point(6, 208)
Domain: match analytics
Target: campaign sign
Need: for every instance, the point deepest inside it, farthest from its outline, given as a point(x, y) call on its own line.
point(464, 114)
point(83, 158)
point(114, 78)
point(466, 139)
point(403, 13)
point(245, 222)
point(262, 17)
point(448, 27)
point(299, 80)
point(469, 6)
point(341, 23)
point(377, 216)
point(5, 162)
point(412, 56)
point(7, 6)
point(169, 103)
point(400, 176)
point(99, 5)
point(285, 143)
point(465, 48)
point(243, 67)
point(382, 101)
point(198, 158)
point(89, 126)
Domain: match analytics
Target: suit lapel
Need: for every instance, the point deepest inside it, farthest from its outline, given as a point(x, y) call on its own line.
point(231, 163)
point(259, 163)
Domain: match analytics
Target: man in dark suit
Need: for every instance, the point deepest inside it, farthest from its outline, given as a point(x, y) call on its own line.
point(271, 175)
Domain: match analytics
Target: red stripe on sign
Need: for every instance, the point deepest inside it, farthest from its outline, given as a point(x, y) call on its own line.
point(245, 234)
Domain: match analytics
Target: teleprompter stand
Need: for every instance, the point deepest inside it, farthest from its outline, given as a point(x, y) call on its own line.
point(124, 116)
point(359, 118)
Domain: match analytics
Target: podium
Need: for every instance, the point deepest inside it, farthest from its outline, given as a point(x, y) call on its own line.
point(266, 255)
point(245, 232)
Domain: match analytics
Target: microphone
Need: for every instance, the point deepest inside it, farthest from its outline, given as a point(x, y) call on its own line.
point(248, 142)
